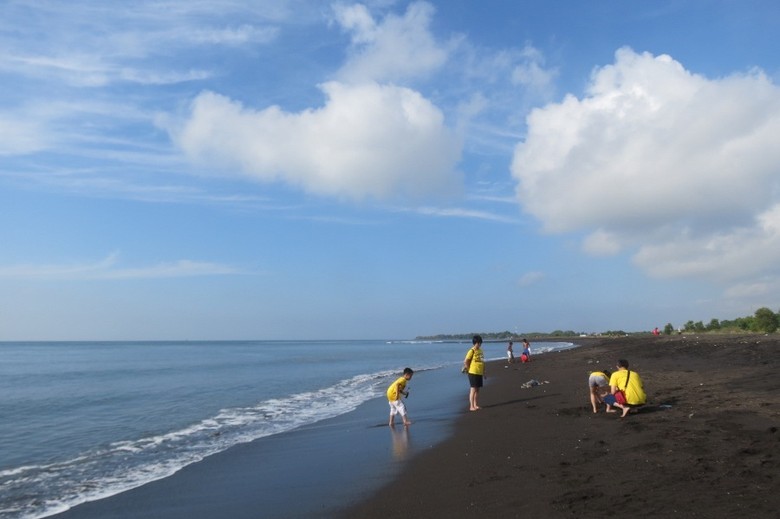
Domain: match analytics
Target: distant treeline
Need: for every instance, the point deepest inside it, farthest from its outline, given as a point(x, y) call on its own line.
point(763, 321)
point(497, 336)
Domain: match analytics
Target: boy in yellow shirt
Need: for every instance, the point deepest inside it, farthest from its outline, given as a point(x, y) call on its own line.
point(394, 393)
point(474, 364)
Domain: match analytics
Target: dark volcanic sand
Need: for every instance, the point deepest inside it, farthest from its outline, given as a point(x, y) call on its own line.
point(705, 445)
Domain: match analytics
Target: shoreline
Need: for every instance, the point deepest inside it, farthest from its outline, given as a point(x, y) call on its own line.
point(705, 444)
point(309, 471)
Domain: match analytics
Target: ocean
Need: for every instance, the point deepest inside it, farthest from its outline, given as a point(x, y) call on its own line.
point(81, 421)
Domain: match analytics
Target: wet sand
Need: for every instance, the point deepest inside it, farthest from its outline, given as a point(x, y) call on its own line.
point(705, 444)
point(308, 472)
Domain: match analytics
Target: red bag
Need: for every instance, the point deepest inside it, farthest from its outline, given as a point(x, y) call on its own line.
point(620, 394)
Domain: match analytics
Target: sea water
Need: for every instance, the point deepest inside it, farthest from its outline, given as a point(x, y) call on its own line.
point(83, 421)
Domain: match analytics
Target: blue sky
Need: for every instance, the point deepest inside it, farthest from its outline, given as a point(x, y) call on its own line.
point(232, 169)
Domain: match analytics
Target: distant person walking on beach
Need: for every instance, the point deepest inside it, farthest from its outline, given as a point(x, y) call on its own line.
point(598, 383)
point(526, 355)
point(394, 393)
point(510, 356)
point(474, 364)
point(630, 383)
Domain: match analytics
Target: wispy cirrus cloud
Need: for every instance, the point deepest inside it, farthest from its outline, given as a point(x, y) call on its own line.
point(458, 212)
point(530, 278)
point(109, 268)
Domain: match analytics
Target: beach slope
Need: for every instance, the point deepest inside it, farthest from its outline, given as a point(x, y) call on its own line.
point(705, 445)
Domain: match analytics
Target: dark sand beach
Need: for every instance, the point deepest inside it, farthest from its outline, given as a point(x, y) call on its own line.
point(705, 445)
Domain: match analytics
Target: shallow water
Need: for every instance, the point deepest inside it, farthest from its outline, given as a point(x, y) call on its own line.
point(82, 421)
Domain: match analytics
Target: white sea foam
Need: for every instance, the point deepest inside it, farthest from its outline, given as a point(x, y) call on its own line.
point(123, 465)
point(37, 488)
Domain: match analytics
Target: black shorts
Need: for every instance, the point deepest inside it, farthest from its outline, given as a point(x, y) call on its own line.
point(475, 380)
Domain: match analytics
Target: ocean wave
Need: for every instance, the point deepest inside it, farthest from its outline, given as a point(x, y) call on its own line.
point(41, 490)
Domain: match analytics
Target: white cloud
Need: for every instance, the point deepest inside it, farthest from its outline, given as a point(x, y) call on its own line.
point(94, 44)
point(399, 48)
point(503, 86)
point(368, 140)
point(530, 278)
point(654, 157)
point(20, 135)
point(107, 269)
point(601, 243)
point(464, 213)
point(747, 251)
point(531, 72)
point(753, 291)
point(233, 36)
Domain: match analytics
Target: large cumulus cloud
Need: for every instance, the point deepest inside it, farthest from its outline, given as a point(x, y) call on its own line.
point(368, 140)
point(680, 169)
point(396, 49)
point(373, 136)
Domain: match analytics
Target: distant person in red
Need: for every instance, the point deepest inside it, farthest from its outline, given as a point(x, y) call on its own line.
point(526, 355)
point(656, 332)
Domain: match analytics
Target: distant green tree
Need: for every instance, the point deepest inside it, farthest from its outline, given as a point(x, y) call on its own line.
point(714, 325)
point(698, 326)
point(563, 333)
point(765, 320)
point(668, 329)
point(689, 326)
point(745, 323)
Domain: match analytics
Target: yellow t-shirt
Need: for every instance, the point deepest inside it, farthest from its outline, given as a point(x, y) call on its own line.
point(477, 357)
point(392, 391)
point(635, 392)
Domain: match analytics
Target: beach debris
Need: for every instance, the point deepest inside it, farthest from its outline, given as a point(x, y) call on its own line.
point(533, 383)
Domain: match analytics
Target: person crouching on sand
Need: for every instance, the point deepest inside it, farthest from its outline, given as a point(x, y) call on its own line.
point(630, 383)
point(474, 364)
point(394, 393)
point(598, 383)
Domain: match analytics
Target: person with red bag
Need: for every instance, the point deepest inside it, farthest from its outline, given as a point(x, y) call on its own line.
point(626, 389)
